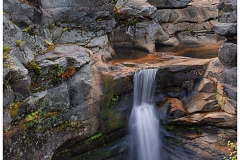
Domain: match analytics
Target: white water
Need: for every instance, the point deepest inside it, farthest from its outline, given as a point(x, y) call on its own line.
point(144, 124)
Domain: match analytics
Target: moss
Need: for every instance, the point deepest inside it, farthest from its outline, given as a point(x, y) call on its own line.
point(6, 53)
point(34, 66)
point(19, 42)
point(26, 29)
point(14, 108)
point(64, 29)
point(96, 136)
point(32, 116)
point(51, 26)
point(113, 122)
point(174, 141)
point(50, 48)
point(108, 91)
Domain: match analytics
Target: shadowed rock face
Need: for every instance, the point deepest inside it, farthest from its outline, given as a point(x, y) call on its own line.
point(169, 3)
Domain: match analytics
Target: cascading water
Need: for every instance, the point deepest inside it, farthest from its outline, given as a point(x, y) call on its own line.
point(144, 124)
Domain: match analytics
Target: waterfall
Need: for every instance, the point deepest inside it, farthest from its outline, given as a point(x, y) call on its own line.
point(144, 124)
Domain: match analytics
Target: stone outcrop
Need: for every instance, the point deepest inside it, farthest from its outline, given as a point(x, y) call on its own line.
point(61, 100)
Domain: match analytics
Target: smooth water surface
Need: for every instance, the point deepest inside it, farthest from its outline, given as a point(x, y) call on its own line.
point(203, 51)
point(144, 124)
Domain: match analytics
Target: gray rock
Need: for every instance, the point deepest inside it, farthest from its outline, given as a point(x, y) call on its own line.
point(56, 99)
point(66, 54)
point(139, 9)
point(22, 14)
point(24, 55)
point(207, 85)
point(6, 120)
point(228, 17)
point(231, 92)
point(194, 14)
point(17, 70)
point(76, 36)
point(56, 33)
point(230, 76)
point(11, 32)
point(79, 86)
point(79, 12)
point(169, 3)
point(225, 29)
point(146, 33)
point(228, 54)
point(100, 42)
point(227, 11)
point(8, 96)
point(21, 88)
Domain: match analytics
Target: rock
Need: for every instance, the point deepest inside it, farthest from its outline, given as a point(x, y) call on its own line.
point(219, 119)
point(25, 55)
point(175, 108)
point(79, 86)
point(8, 96)
point(11, 33)
point(76, 36)
point(21, 88)
point(207, 85)
point(171, 42)
point(231, 92)
point(225, 29)
point(142, 35)
point(194, 14)
point(227, 11)
point(85, 13)
point(100, 45)
point(122, 84)
point(99, 42)
point(120, 3)
point(230, 76)
point(73, 55)
point(56, 33)
point(6, 120)
point(140, 9)
point(215, 70)
point(169, 3)
point(17, 70)
point(230, 106)
point(201, 102)
point(22, 14)
point(189, 64)
point(228, 54)
point(147, 32)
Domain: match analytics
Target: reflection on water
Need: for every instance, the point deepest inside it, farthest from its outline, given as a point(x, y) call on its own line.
point(130, 52)
point(204, 51)
point(139, 55)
